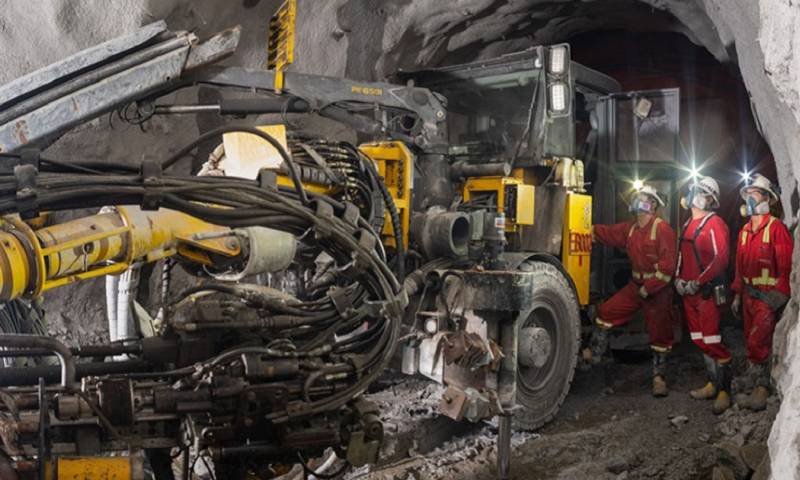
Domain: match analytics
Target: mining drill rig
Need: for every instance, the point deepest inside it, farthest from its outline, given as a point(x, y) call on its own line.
point(450, 243)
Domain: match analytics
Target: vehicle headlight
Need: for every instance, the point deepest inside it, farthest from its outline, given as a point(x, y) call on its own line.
point(558, 59)
point(558, 97)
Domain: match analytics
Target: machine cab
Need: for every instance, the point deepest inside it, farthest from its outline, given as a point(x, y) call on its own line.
point(566, 129)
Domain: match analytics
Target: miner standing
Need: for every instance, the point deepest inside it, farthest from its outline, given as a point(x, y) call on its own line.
point(651, 246)
point(761, 285)
point(700, 280)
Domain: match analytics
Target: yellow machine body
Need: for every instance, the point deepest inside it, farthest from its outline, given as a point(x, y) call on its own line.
point(514, 198)
point(34, 261)
point(395, 164)
point(95, 468)
point(576, 251)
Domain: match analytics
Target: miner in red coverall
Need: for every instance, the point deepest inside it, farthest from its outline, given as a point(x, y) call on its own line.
point(761, 285)
point(651, 246)
point(702, 262)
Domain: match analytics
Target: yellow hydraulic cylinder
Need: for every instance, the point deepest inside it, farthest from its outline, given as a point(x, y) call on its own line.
point(32, 262)
point(96, 239)
point(15, 267)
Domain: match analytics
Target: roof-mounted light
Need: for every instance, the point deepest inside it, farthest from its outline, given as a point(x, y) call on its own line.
point(558, 97)
point(558, 59)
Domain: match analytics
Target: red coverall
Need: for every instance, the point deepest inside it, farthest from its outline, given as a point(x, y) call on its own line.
point(702, 314)
point(652, 253)
point(763, 263)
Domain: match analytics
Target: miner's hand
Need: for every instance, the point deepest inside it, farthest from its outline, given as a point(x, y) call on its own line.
point(736, 306)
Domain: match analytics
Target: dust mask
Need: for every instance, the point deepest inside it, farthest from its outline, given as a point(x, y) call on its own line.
point(696, 198)
point(639, 205)
point(699, 201)
point(692, 200)
point(754, 207)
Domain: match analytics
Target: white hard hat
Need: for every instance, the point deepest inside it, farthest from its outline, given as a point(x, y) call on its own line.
point(709, 186)
point(763, 183)
point(651, 191)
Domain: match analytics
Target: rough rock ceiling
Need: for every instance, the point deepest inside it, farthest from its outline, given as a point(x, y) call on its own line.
point(403, 34)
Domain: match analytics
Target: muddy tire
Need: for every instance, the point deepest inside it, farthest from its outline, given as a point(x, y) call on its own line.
point(553, 322)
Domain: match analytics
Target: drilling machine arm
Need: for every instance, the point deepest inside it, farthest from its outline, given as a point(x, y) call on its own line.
point(108, 243)
point(129, 73)
point(247, 376)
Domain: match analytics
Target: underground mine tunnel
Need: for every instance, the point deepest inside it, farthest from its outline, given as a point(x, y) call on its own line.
point(373, 239)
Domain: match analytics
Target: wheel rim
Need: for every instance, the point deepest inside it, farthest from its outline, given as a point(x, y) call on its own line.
point(541, 321)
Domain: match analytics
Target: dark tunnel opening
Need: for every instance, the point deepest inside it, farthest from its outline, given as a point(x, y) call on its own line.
point(718, 136)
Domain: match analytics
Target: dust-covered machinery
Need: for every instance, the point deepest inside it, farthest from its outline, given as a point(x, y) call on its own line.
point(249, 375)
point(246, 376)
point(458, 238)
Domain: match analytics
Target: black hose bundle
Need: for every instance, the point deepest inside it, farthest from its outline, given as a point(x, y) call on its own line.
point(343, 164)
point(372, 293)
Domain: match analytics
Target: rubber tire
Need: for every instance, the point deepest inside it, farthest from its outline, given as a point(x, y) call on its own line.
point(554, 300)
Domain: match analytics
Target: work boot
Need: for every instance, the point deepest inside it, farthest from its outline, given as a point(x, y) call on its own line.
point(721, 403)
point(755, 401)
point(659, 387)
point(723, 384)
point(659, 374)
point(708, 391)
point(598, 346)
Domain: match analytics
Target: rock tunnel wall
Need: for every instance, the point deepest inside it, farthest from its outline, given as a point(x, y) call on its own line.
point(368, 39)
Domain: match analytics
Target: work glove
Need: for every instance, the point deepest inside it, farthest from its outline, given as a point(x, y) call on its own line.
point(736, 306)
point(776, 299)
point(680, 286)
point(692, 287)
point(643, 292)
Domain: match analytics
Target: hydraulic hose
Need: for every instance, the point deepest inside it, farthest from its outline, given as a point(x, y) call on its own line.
point(236, 202)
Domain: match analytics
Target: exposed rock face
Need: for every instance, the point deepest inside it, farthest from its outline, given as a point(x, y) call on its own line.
point(369, 39)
